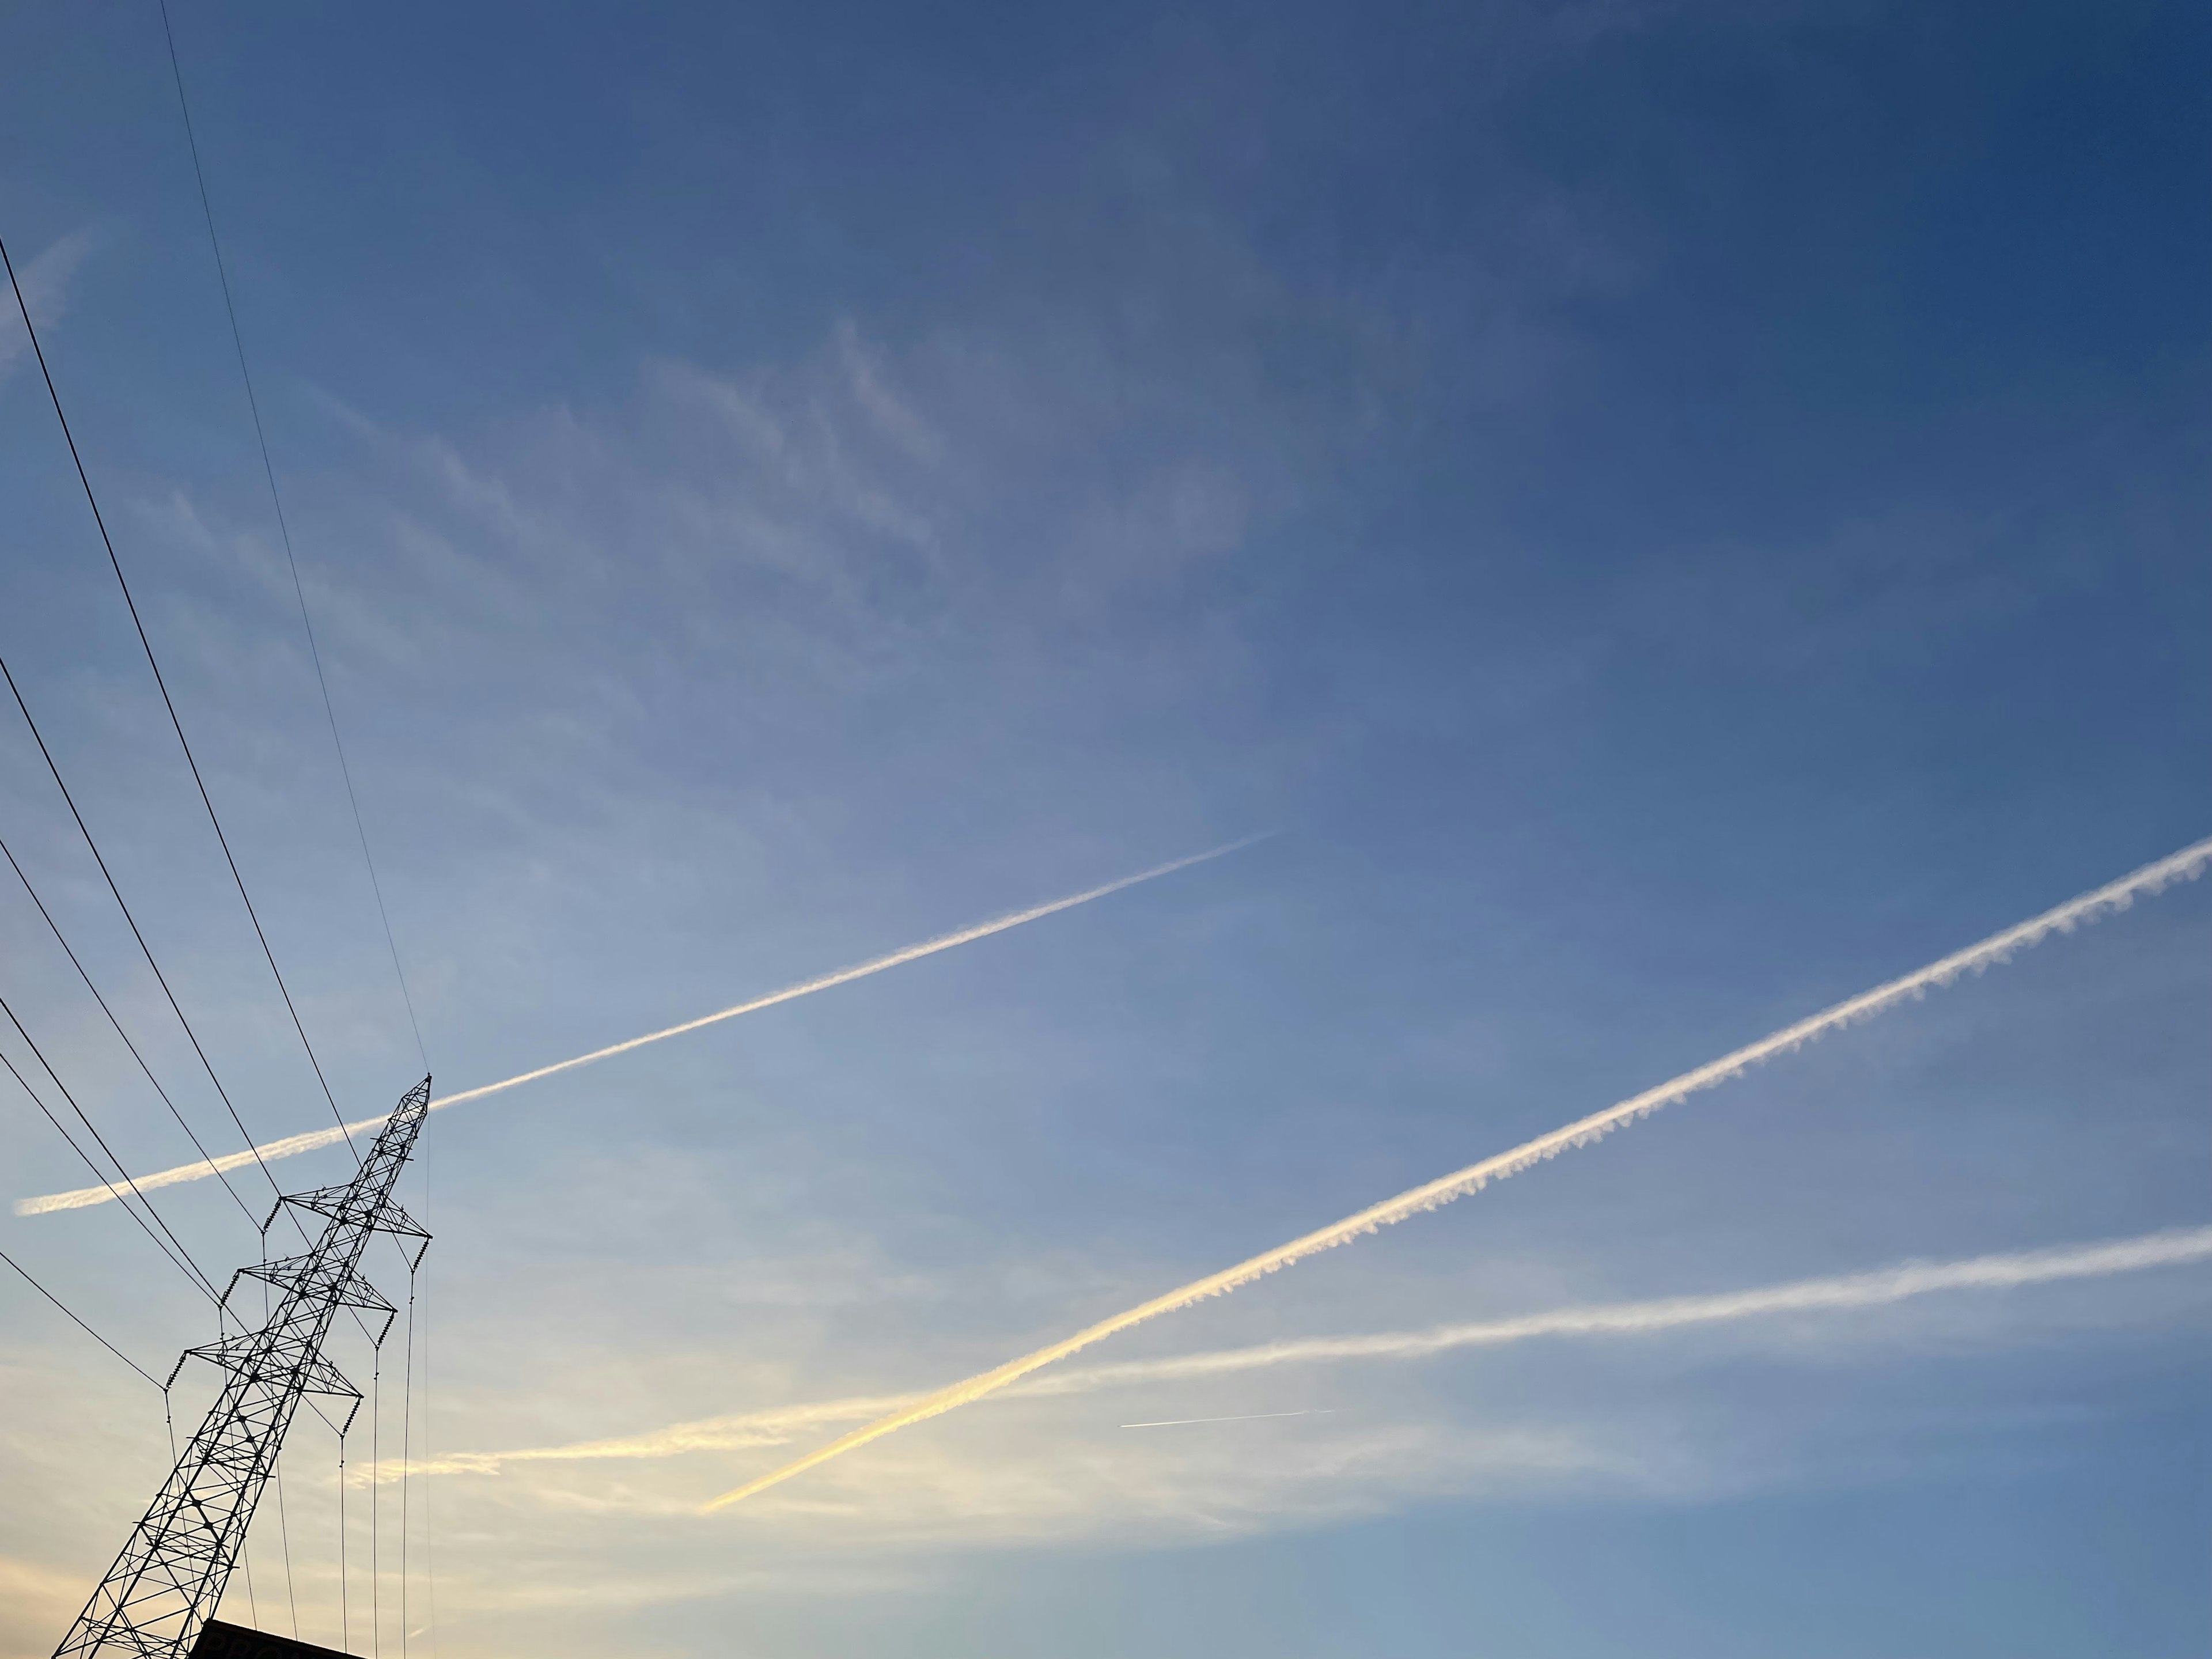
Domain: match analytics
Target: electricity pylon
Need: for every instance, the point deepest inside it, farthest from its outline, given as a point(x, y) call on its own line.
point(170, 1576)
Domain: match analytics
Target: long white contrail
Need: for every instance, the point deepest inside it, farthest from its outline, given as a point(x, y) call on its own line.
point(2180, 1247)
point(2183, 866)
point(1880, 1288)
point(293, 1144)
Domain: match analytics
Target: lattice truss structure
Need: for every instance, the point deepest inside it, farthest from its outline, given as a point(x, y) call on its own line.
point(167, 1581)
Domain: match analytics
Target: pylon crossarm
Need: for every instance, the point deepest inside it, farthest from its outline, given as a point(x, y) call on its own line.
point(395, 1221)
point(319, 1275)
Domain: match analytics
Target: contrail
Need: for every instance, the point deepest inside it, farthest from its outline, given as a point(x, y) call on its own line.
point(1882, 1287)
point(1245, 1417)
point(310, 1141)
point(769, 1428)
point(1876, 1288)
point(2184, 866)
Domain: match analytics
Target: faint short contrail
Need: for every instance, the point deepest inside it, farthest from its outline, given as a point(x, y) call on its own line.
point(1241, 1417)
point(314, 1139)
point(2184, 866)
point(2180, 1247)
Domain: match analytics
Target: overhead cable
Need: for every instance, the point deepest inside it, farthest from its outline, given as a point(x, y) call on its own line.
point(345, 1583)
point(63, 941)
point(191, 1272)
point(69, 1315)
point(283, 528)
point(167, 702)
point(101, 1141)
point(429, 1556)
point(406, 1460)
point(144, 949)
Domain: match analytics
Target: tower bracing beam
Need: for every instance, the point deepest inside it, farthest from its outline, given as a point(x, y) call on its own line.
point(169, 1578)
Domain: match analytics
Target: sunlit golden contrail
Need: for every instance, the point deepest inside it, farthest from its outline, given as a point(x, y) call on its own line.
point(1842, 1293)
point(293, 1144)
point(741, 1432)
point(2184, 865)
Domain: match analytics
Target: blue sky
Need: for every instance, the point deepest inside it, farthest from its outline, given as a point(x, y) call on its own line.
point(1677, 514)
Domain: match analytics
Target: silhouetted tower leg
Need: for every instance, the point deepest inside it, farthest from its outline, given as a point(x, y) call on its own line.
point(170, 1576)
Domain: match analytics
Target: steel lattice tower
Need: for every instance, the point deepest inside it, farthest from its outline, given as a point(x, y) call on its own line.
point(170, 1576)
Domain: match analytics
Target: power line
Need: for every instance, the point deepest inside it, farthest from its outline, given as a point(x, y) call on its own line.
point(406, 1460)
point(144, 949)
point(99, 1175)
point(101, 1142)
point(146, 952)
point(345, 1584)
point(375, 1475)
point(76, 1322)
point(58, 938)
point(179, 1257)
point(283, 529)
point(284, 1533)
point(146, 645)
point(429, 1558)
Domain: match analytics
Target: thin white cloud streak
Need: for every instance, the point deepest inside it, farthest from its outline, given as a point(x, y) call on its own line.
point(1882, 1287)
point(1241, 1417)
point(2184, 866)
point(292, 1145)
point(769, 1428)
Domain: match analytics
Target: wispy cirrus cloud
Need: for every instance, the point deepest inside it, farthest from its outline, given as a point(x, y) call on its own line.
point(44, 279)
